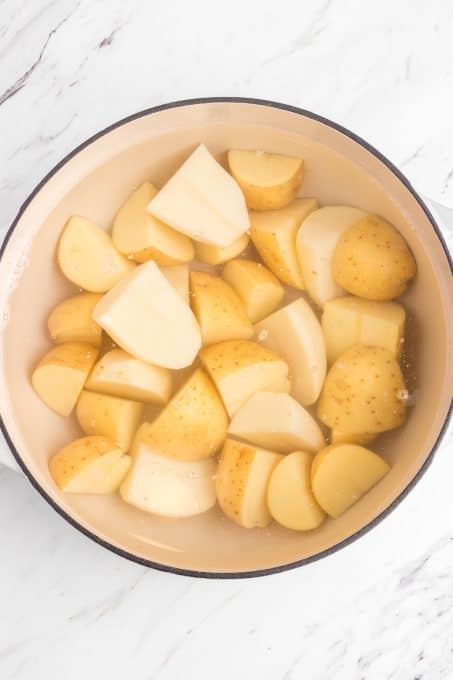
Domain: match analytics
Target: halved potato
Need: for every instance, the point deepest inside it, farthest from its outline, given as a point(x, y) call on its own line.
point(342, 473)
point(178, 276)
point(219, 310)
point(274, 236)
point(289, 496)
point(192, 425)
point(214, 255)
point(89, 465)
point(60, 376)
point(240, 368)
point(260, 291)
point(72, 320)
point(361, 438)
point(277, 422)
point(241, 483)
point(168, 487)
point(88, 258)
point(142, 237)
point(112, 417)
point(269, 181)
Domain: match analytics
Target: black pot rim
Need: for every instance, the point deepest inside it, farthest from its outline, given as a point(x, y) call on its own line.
point(395, 502)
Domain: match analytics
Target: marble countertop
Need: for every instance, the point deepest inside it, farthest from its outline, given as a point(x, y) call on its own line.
point(380, 609)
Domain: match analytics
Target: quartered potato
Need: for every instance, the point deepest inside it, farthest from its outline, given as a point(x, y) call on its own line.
point(260, 291)
point(241, 482)
point(214, 255)
point(112, 417)
point(362, 438)
point(342, 473)
point(178, 277)
point(89, 465)
point(269, 181)
point(72, 320)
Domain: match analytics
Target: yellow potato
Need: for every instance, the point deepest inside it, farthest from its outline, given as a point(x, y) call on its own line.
point(348, 321)
point(214, 255)
point(240, 368)
point(89, 465)
point(142, 237)
point(178, 276)
point(241, 483)
point(219, 310)
point(274, 236)
point(72, 320)
point(343, 473)
point(269, 181)
point(363, 392)
point(372, 260)
point(88, 258)
point(361, 438)
point(289, 496)
point(60, 376)
point(112, 417)
point(191, 426)
point(260, 291)
point(121, 375)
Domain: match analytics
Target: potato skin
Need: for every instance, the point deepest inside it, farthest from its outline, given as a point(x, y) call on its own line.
point(372, 260)
point(361, 390)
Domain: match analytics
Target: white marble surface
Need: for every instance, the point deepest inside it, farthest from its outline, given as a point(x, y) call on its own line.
point(381, 609)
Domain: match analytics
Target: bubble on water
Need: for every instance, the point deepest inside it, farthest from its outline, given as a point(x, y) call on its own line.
point(402, 395)
point(262, 335)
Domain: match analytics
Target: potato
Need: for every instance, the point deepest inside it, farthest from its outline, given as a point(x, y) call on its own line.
point(361, 438)
point(178, 277)
point(215, 255)
point(289, 495)
point(87, 257)
point(218, 309)
point(274, 236)
point(260, 291)
point(119, 374)
point(72, 320)
point(269, 181)
point(142, 237)
point(167, 487)
point(362, 392)
point(60, 376)
point(372, 260)
point(191, 426)
point(112, 417)
point(343, 473)
point(348, 321)
point(277, 422)
point(315, 244)
point(295, 334)
point(240, 368)
point(241, 483)
point(146, 316)
point(89, 465)
point(202, 201)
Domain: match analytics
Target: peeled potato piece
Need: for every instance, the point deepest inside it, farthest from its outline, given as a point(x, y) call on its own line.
point(178, 276)
point(269, 181)
point(142, 237)
point(372, 260)
point(343, 473)
point(214, 255)
point(260, 291)
point(170, 488)
point(60, 376)
point(89, 465)
point(241, 483)
point(277, 422)
point(361, 438)
point(88, 258)
point(112, 417)
point(219, 310)
point(289, 496)
point(72, 320)
point(363, 392)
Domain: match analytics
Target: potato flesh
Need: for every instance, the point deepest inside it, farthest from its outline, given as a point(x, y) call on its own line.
point(112, 417)
point(242, 478)
point(274, 236)
point(260, 291)
point(145, 316)
point(214, 255)
point(295, 334)
point(178, 277)
point(342, 473)
point(88, 258)
point(72, 320)
point(289, 496)
point(89, 465)
point(349, 321)
point(219, 310)
point(277, 422)
point(202, 201)
point(60, 376)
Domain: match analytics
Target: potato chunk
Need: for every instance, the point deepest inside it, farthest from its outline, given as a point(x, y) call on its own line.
point(112, 417)
point(214, 255)
point(260, 291)
point(72, 320)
